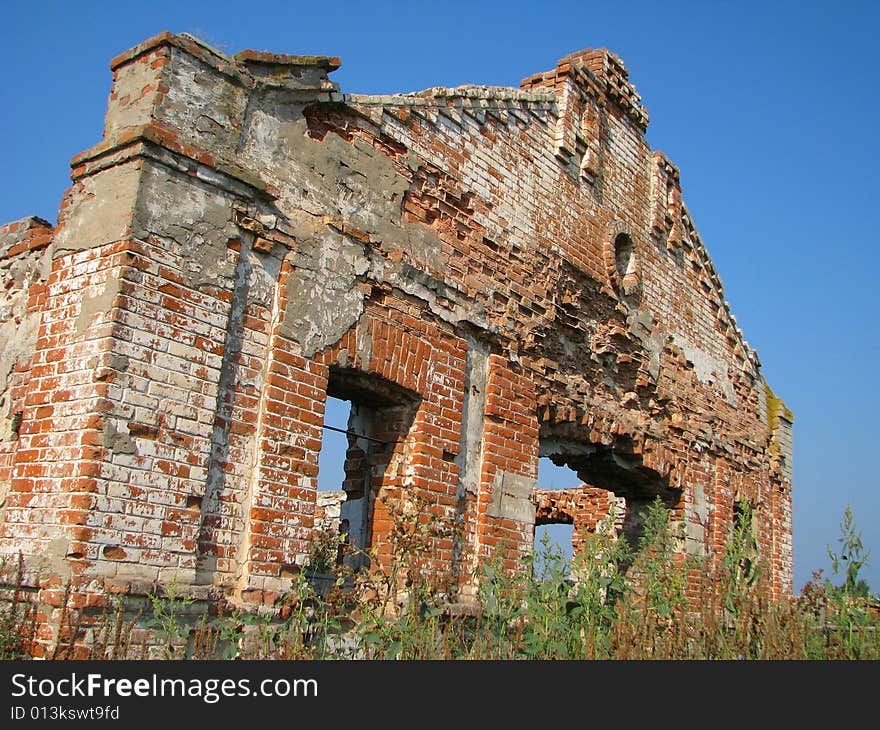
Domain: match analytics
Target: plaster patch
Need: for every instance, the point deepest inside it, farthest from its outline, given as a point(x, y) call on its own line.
point(708, 369)
point(100, 210)
point(197, 217)
point(93, 305)
point(353, 182)
point(116, 441)
point(17, 341)
point(323, 301)
point(52, 560)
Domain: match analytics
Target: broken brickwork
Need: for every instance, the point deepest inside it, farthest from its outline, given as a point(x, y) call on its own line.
point(490, 275)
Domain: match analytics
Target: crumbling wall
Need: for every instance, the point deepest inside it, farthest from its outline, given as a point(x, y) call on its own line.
point(24, 267)
point(588, 509)
point(494, 274)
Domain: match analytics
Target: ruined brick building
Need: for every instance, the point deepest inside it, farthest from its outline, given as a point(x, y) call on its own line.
point(489, 275)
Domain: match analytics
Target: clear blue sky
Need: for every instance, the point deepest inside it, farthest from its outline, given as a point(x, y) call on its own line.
point(768, 108)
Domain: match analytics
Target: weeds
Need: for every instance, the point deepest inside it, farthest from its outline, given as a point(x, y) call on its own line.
point(166, 619)
point(612, 601)
point(17, 616)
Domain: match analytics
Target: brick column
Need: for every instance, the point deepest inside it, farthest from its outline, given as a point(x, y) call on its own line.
point(279, 506)
point(506, 515)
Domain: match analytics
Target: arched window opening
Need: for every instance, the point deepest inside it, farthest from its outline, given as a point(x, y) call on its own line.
point(624, 261)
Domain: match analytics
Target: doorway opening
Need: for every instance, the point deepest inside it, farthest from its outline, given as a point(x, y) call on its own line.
point(554, 525)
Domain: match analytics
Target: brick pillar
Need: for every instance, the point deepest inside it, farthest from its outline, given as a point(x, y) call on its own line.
point(65, 434)
point(506, 514)
point(279, 508)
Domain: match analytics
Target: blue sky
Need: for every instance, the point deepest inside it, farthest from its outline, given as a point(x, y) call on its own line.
point(768, 108)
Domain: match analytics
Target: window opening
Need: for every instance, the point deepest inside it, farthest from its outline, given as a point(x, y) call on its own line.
point(366, 421)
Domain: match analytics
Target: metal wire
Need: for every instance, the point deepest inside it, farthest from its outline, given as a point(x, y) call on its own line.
point(349, 432)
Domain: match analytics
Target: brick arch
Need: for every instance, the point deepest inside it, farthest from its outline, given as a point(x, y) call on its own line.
point(407, 352)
